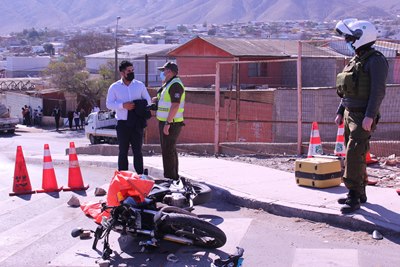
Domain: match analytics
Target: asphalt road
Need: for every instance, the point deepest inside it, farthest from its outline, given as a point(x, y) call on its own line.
point(35, 229)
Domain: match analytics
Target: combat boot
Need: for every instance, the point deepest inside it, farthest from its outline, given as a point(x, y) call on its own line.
point(342, 200)
point(352, 203)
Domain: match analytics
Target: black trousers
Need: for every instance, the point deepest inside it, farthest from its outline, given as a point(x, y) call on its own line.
point(57, 119)
point(129, 136)
point(168, 149)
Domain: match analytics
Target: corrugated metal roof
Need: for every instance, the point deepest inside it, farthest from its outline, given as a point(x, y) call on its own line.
point(247, 47)
point(136, 51)
point(241, 47)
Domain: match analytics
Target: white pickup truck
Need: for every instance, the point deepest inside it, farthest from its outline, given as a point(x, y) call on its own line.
point(7, 123)
point(100, 127)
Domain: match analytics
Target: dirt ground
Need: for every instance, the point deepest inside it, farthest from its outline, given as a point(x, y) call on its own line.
point(386, 172)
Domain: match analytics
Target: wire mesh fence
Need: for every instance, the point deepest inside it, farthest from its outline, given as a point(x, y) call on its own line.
point(275, 101)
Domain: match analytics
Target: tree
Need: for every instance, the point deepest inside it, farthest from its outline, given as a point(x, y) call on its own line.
point(89, 43)
point(69, 75)
point(49, 48)
point(212, 31)
point(182, 28)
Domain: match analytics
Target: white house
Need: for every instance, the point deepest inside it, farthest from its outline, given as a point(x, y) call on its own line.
point(136, 53)
point(25, 66)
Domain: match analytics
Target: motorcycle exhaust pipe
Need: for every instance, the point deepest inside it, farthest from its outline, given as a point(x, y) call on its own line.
point(177, 239)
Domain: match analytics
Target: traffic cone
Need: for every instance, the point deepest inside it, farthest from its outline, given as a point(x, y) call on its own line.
point(49, 182)
point(340, 149)
point(315, 147)
point(21, 184)
point(75, 180)
point(369, 159)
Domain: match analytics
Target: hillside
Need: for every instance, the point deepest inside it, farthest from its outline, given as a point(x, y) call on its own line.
point(62, 14)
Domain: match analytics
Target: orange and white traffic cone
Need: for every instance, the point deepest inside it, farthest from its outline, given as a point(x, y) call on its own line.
point(315, 147)
point(340, 149)
point(49, 182)
point(75, 180)
point(21, 184)
point(369, 159)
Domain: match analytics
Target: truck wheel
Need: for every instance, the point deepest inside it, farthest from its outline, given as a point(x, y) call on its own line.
point(11, 131)
point(93, 139)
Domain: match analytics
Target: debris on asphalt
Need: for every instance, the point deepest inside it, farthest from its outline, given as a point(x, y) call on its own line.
point(74, 201)
point(99, 192)
point(172, 258)
point(376, 235)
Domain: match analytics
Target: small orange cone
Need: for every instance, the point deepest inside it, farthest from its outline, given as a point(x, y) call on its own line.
point(369, 159)
point(22, 184)
point(340, 149)
point(315, 147)
point(75, 180)
point(49, 182)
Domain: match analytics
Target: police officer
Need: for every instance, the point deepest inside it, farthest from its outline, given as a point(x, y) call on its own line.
point(361, 86)
point(170, 106)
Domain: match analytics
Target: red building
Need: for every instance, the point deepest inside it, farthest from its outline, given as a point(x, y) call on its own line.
point(200, 55)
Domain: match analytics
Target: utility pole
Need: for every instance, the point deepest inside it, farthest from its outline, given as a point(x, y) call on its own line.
point(116, 73)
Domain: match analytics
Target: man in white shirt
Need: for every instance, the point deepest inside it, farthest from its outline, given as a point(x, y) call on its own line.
point(124, 96)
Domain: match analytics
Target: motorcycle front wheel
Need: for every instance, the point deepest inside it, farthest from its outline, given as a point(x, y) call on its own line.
point(202, 233)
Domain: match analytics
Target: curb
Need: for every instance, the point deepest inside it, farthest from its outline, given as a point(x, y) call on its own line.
point(275, 207)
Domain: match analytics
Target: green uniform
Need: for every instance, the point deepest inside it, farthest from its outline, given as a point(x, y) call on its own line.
point(361, 86)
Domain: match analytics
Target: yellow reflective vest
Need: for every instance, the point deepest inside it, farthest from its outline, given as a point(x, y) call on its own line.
point(164, 102)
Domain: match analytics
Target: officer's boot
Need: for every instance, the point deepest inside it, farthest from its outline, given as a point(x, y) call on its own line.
point(352, 202)
point(363, 195)
point(363, 198)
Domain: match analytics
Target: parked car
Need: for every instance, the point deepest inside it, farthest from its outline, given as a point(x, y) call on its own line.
point(7, 123)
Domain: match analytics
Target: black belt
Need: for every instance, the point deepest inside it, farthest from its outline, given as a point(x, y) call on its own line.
point(356, 109)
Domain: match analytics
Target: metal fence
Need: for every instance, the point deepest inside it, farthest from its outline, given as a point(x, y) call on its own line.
point(295, 92)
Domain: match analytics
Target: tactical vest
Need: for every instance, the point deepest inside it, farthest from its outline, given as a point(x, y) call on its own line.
point(353, 81)
point(164, 103)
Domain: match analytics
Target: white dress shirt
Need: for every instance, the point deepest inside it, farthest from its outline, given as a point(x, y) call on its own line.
point(119, 93)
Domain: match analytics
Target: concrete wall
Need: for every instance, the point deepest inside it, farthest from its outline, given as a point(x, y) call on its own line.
point(15, 101)
point(320, 105)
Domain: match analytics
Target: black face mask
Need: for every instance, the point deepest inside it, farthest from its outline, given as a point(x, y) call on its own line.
point(130, 76)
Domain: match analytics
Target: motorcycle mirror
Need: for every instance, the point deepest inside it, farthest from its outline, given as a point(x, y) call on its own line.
point(76, 232)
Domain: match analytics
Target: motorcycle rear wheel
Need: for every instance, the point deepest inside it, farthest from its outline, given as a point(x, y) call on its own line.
point(204, 192)
point(202, 233)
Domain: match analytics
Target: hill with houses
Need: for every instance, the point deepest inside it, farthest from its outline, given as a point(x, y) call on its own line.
point(63, 15)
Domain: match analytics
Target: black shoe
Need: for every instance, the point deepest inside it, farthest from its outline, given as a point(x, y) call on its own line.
point(342, 200)
point(350, 206)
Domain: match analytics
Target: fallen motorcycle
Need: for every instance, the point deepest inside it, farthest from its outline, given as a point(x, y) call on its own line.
point(168, 223)
point(180, 193)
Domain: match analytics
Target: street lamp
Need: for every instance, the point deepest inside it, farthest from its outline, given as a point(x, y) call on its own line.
point(116, 50)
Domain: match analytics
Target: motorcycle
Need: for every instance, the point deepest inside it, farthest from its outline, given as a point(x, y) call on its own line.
point(180, 193)
point(146, 219)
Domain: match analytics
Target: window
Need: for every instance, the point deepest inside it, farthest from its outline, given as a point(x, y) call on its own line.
point(258, 69)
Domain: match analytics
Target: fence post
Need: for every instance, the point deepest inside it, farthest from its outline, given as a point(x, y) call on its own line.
point(299, 98)
point(217, 101)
